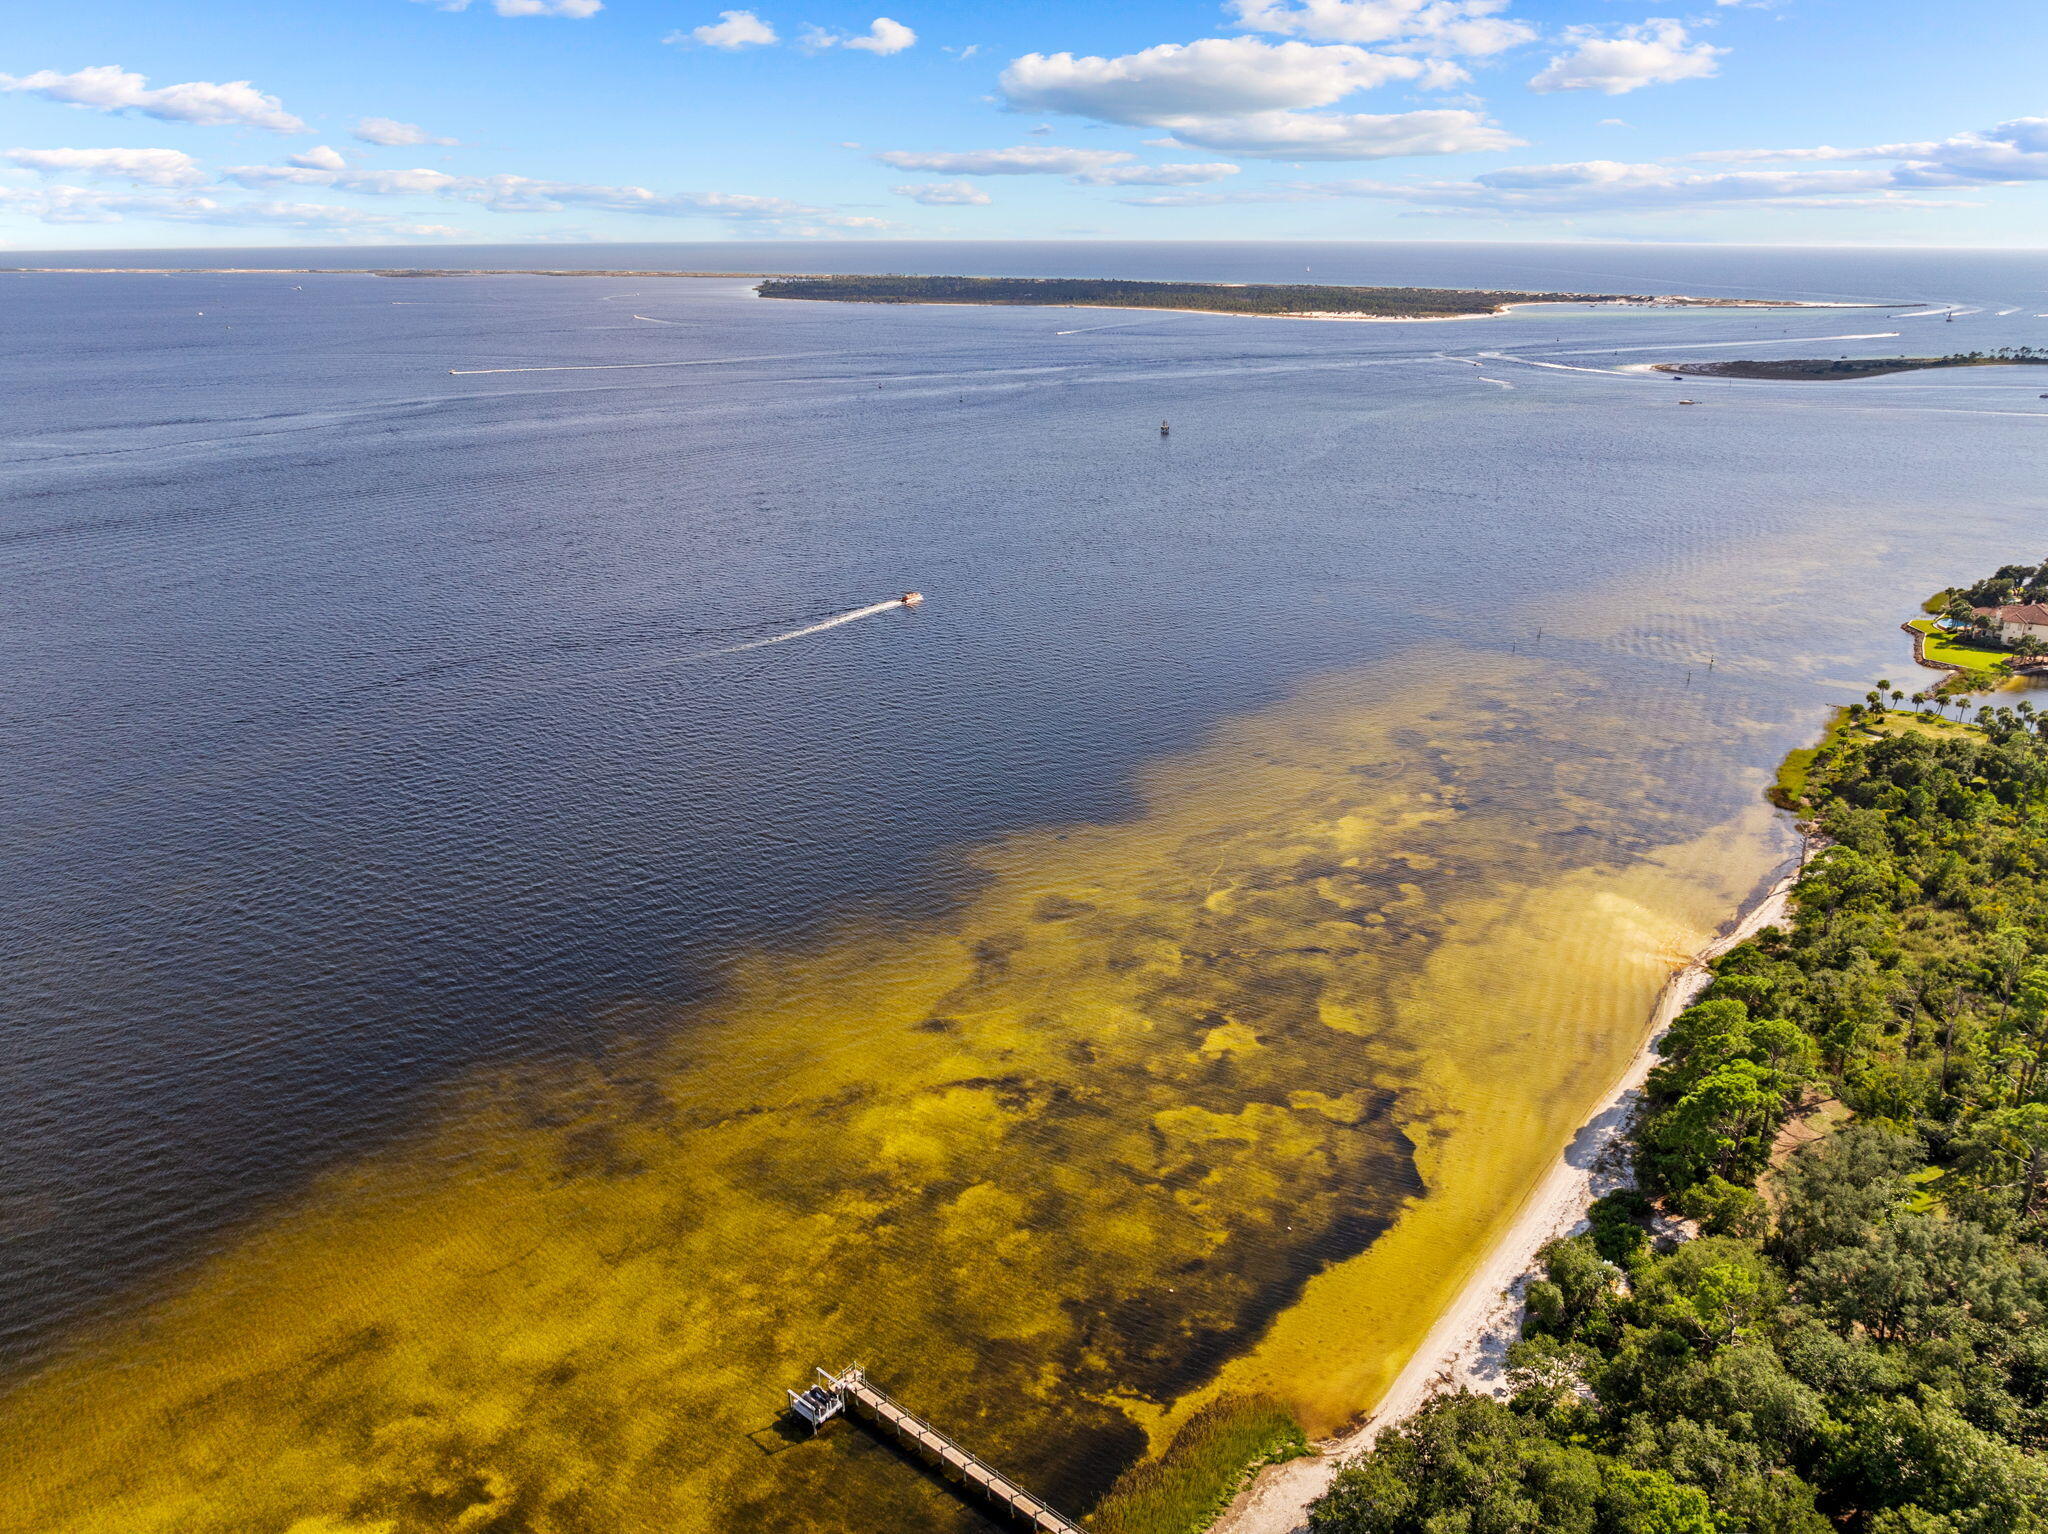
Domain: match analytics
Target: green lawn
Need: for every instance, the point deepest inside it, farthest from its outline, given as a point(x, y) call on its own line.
point(1788, 792)
point(1946, 649)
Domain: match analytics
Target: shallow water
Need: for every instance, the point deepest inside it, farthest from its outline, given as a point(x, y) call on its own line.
point(479, 1043)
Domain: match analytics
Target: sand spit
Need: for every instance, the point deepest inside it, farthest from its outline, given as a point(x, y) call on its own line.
point(1467, 1347)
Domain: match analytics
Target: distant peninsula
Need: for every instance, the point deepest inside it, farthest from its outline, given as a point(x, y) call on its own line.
point(1855, 367)
point(1294, 300)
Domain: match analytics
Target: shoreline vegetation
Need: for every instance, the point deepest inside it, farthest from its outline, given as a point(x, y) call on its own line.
point(1750, 1167)
point(1820, 369)
point(1824, 1306)
point(1465, 1349)
point(1276, 300)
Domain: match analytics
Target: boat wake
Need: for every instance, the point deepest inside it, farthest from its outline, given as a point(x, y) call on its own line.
point(1562, 367)
point(1694, 346)
point(815, 628)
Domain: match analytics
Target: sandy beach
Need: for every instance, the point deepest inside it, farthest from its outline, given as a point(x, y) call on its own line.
point(1467, 1346)
point(1664, 301)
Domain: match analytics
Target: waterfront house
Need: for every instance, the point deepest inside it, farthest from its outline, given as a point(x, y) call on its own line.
point(2028, 620)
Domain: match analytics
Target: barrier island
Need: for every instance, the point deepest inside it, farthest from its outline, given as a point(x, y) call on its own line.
point(1854, 367)
point(1295, 300)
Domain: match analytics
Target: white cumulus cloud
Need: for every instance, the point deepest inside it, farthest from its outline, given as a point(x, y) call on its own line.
point(392, 134)
point(1465, 27)
point(109, 88)
point(1245, 96)
point(882, 36)
point(319, 157)
point(2012, 151)
point(1655, 52)
point(140, 167)
point(944, 194)
point(733, 30)
point(1173, 83)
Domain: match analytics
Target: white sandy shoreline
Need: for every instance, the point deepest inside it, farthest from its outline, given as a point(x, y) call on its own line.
point(1660, 301)
point(1466, 1347)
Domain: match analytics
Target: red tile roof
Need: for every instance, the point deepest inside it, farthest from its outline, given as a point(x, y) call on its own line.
point(2033, 613)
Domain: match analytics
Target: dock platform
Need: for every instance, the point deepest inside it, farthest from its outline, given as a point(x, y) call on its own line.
point(850, 1390)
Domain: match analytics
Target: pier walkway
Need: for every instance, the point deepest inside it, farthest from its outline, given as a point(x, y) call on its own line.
point(850, 1390)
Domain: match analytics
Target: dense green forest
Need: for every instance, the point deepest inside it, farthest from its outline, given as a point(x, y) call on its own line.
point(1222, 298)
point(1855, 1336)
point(1854, 367)
point(2012, 583)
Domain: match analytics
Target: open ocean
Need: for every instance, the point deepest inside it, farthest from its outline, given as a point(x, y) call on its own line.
point(416, 864)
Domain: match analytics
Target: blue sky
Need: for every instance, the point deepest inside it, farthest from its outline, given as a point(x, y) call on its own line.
point(230, 122)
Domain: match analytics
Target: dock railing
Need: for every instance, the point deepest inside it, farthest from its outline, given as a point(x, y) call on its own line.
point(852, 1387)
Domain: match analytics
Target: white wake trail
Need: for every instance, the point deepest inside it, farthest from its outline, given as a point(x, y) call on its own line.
point(653, 321)
point(816, 628)
point(1693, 346)
point(1562, 367)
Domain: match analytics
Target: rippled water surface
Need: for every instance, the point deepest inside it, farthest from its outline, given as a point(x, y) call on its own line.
point(482, 1020)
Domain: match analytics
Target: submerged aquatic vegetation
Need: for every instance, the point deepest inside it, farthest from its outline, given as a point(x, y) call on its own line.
point(1338, 986)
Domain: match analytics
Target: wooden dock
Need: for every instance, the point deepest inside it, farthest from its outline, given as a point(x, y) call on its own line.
point(851, 1390)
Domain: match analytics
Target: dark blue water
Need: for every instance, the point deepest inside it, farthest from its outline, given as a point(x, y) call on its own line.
point(362, 722)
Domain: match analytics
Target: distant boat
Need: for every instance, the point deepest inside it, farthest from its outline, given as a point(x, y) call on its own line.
point(1688, 402)
point(912, 598)
point(1165, 430)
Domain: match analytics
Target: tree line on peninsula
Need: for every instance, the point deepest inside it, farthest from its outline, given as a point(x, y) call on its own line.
point(1853, 367)
point(1119, 293)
